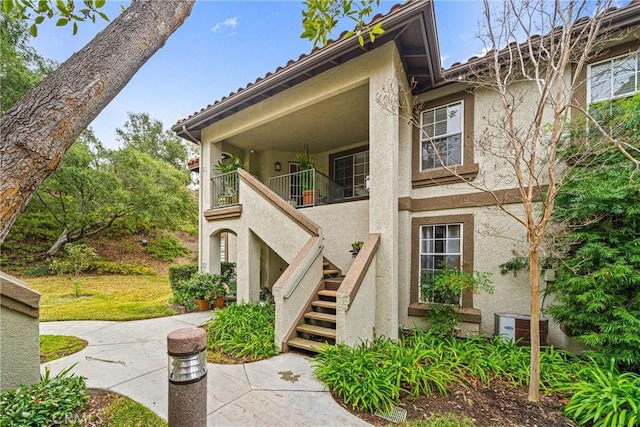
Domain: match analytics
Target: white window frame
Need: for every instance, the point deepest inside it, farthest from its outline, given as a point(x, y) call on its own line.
point(424, 139)
point(611, 60)
point(354, 174)
point(460, 254)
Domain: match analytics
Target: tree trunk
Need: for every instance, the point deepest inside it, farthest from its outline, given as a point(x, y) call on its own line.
point(62, 240)
point(534, 277)
point(40, 128)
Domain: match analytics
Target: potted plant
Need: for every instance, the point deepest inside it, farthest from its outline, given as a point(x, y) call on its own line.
point(306, 165)
point(355, 248)
point(199, 288)
point(229, 192)
point(219, 291)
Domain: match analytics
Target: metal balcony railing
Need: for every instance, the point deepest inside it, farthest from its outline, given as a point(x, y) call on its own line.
point(307, 188)
point(224, 190)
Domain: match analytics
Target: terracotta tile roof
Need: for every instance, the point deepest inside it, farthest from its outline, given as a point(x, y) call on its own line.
point(489, 54)
point(378, 17)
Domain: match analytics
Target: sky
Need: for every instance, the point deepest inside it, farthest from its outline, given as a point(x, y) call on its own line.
point(224, 45)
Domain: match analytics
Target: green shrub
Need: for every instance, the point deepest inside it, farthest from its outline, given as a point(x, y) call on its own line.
point(111, 267)
point(79, 258)
point(605, 397)
point(372, 375)
point(37, 270)
point(228, 268)
point(181, 273)
point(244, 330)
point(166, 248)
point(52, 401)
point(597, 287)
point(444, 289)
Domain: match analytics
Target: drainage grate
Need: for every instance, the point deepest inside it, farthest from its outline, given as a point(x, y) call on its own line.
point(396, 415)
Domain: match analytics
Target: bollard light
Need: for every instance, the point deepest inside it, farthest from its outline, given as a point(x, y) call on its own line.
point(187, 372)
point(187, 368)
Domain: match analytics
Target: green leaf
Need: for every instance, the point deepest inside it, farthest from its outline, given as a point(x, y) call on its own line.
point(7, 6)
point(62, 22)
point(100, 3)
point(62, 7)
point(75, 28)
point(33, 30)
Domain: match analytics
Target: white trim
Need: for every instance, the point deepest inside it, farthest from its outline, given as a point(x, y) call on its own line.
point(420, 253)
point(446, 135)
point(589, 66)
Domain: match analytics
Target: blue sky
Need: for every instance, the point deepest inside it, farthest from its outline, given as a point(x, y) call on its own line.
point(223, 46)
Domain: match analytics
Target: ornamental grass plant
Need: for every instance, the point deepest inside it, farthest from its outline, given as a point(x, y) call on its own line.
point(372, 375)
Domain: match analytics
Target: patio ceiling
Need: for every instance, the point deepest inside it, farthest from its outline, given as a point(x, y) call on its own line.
point(329, 124)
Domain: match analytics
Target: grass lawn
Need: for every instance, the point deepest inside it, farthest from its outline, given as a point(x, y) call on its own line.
point(54, 347)
point(124, 412)
point(103, 297)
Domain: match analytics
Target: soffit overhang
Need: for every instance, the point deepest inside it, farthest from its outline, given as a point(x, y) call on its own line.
point(410, 26)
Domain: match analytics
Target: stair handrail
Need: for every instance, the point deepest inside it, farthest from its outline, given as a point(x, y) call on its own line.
point(264, 191)
point(301, 276)
point(359, 268)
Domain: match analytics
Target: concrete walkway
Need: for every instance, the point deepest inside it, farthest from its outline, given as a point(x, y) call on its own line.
point(130, 358)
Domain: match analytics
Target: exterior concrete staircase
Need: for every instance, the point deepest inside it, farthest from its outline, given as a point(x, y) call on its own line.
point(319, 321)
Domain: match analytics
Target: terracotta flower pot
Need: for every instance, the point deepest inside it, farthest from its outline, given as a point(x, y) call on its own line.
point(309, 197)
point(219, 302)
point(203, 304)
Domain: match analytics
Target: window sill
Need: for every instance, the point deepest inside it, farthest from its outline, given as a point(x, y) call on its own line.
point(469, 315)
point(441, 176)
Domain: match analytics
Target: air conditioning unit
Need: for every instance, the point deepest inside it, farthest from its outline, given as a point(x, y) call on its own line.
point(516, 327)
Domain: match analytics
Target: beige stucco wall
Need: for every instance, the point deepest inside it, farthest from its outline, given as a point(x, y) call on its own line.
point(342, 224)
point(390, 145)
point(19, 334)
point(356, 322)
point(496, 238)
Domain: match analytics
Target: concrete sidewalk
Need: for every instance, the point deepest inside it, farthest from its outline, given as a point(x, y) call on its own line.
point(130, 358)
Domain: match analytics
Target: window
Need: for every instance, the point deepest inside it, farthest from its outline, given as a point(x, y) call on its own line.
point(440, 248)
point(614, 78)
point(350, 169)
point(441, 139)
point(448, 122)
point(447, 238)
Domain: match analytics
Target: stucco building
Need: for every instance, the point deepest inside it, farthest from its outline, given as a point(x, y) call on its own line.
point(376, 180)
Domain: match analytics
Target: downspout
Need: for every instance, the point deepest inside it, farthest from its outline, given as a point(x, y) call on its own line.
point(200, 195)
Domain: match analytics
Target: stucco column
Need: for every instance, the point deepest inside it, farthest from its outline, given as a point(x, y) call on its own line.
point(214, 254)
point(208, 153)
point(383, 212)
point(248, 266)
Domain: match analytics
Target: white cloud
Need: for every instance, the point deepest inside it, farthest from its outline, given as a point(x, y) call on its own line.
point(229, 22)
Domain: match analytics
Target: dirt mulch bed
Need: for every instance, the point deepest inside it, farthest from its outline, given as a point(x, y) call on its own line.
point(501, 405)
point(94, 413)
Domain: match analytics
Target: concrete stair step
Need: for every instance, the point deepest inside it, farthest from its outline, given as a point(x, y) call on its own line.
point(330, 272)
point(324, 317)
point(324, 304)
point(333, 283)
point(305, 344)
point(327, 293)
point(317, 330)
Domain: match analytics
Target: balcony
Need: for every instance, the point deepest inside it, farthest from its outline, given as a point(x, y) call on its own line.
point(307, 188)
point(224, 190)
